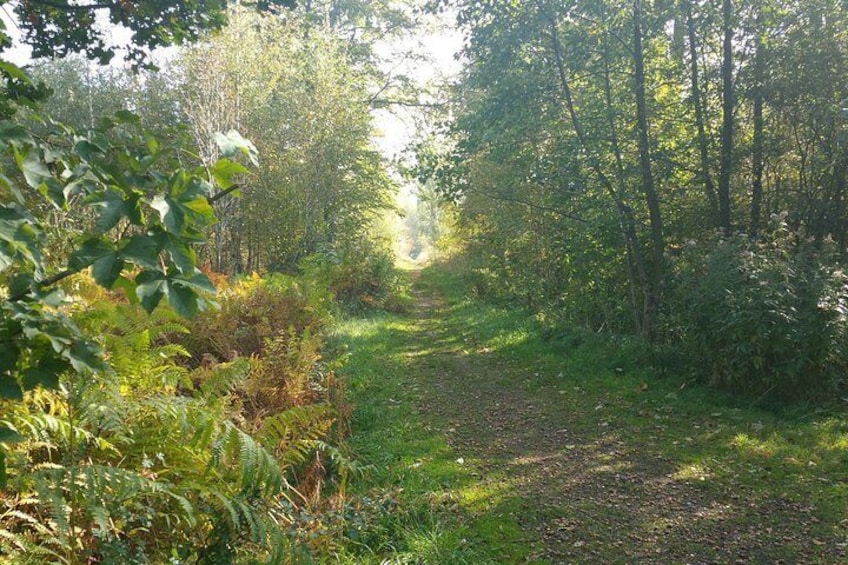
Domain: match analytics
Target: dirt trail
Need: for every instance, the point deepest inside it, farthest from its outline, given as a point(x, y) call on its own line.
point(590, 491)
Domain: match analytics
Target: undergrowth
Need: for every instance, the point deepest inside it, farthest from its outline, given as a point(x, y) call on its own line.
point(210, 441)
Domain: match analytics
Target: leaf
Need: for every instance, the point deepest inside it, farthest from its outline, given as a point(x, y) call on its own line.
point(112, 209)
point(14, 134)
point(182, 299)
point(9, 353)
point(90, 251)
point(106, 270)
point(84, 356)
point(142, 250)
point(21, 236)
point(45, 374)
point(199, 282)
point(150, 290)
point(8, 435)
point(183, 256)
point(170, 214)
point(127, 117)
point(9, 388)
point(233, 143)
point(224, 170)
point(35, 171)
point(15, 72)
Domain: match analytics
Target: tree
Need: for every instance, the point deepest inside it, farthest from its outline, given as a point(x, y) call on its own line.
point(59, 27)
point(148, 209)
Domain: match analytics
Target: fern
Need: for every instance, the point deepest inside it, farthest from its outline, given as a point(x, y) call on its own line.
point(224, 377)
point(292, 434)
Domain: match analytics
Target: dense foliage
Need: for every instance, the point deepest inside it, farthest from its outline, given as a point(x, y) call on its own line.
point(609, 158)
point(207, 432)
point(203, 443)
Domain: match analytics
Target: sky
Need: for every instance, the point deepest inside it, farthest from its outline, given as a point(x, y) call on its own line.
point(437, 47)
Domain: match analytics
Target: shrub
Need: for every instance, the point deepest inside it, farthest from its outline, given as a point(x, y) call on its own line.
point(359, 278)
point(764, 317)
point(161, 460)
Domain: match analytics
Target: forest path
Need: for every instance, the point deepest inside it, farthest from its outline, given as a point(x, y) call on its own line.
point(588, 472)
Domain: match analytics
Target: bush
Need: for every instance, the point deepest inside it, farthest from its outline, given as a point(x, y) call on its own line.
point(764, 317)
point(359, 278)
point(173, 456)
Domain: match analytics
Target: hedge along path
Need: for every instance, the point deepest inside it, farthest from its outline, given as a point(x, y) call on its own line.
point(596, 463)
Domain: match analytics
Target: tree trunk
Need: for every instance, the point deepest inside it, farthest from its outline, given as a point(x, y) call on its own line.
point(757, 150)
point(727, 117)
point(627, 220)
point(656, 274)
point(697, 103)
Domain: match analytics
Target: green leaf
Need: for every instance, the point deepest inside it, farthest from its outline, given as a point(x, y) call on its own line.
point(9, 388)
point(15, 72)
point(201, 210)
point(35, 171)
point(4, 479)
point(224, 170)
point(107, 269)
point(151, 288)
point(12, 187)
point(183, 256)
point(90, 251)
point(21, 236)
point(127, 117)
point(198, 281)
point(169, 212)
point(45, 374)
point(232, 144)
point(182, 299)
point(142, 250)
point(8, 435)
point(9, 353)
point(14, 134)
point(84, 356)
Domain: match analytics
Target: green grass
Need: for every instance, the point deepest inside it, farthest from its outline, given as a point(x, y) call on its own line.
point(419, 497)
point(424, 501)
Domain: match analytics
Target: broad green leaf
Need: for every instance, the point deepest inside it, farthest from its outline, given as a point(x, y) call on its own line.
point(8, 435)
point(84, 355)
point(106, 270)
point(142, 250)
point(183, 256)
point(35, 171)
point(15, 72)
point(45, 374)
point(201, 211)
point(170, 214)
point(12, 187)
point(9, 353)
point(21, 236)
point(9, 388)
point(182, 299)
point(199, 282)
point(224, 170)
point(91, 250)
point(127, 117)
point(151, 288)
point(232, 144)
point(14, 134)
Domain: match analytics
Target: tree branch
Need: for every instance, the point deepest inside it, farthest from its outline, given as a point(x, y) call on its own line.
point(60, 5)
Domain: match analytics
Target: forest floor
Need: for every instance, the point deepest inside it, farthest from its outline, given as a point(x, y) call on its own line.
point(492, 445)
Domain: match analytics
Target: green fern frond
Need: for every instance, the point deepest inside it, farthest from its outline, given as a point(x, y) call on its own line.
point(224, 377)
point(291, 434)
